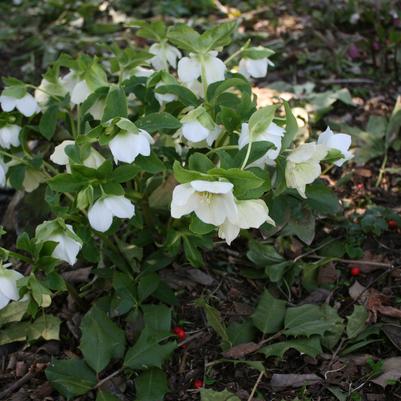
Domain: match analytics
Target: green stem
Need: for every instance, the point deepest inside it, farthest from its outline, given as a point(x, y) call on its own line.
point(382, 168)
point(203, 74)
point(221, 148)
point(239, 51)
point(78, 120)
point(72, 123)
point(248, 153)
point(17, 255)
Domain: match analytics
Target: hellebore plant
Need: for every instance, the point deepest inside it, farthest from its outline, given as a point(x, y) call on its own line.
point(180, 155)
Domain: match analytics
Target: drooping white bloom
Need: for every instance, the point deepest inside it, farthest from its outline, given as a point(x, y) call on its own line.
point(68, 243)
point(273, 134)
point(3, 172)
point(101, 213)
point(303, 166)
point(341, 142)
point(212, 201)
point(164, 98)
point(190, 68)
point(126, 146)
point(26, 105)
point(60, 157)
point(77, 88)
point(164, 54)
point(8, 286)
point(197, 126)
point(142, 72)
point(47, 88)
point(255, 68)
point(97, 109)
point(9, 136)
point(251, 214)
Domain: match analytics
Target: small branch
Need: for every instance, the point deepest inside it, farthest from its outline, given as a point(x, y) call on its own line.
point(16, 385)
point(107, 378)
point(355, 261)
point(255, 387)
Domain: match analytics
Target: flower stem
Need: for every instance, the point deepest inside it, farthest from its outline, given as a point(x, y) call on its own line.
point(239, 51)
point(248, 153)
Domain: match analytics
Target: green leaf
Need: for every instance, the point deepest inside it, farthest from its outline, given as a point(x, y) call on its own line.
point(269, 314)
point(116, 104)
point(151, 164)
point(309, 346)
point(100, 333)
point(322, 199)
point(13, 312)
point(241, 332)
point(215, 321)
point(200, 162)
point(291, 128)
point(192, 253)
point(48, 122)
point(212, 395)
point(155, 122)
point(106, 396)
point(184, 95)
point(184, 37)
point(183, 175)
point(261, 119)
point(151, 385)
point(157, 317)
point(46, 327)
point(147, 285)
point(218, 36)
point(308, 320)
point(301, 224)
point(66, 183)
point(356, 322)
point(197, 226)
point(14, 332)
point(147, 352)
point(71, 377)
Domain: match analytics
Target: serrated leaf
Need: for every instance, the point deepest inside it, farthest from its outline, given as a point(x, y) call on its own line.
point(154, 122)
point(147, 351)
point(100, 333)
point(269, 314)
point(151, 385)
point(13, 312)
point(157, 317)
point(46, 327)
point(356, 322)
point(212, 395)
point(309, 346)
point(71, 377)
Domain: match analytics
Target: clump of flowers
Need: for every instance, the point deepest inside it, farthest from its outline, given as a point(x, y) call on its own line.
point(144, 157)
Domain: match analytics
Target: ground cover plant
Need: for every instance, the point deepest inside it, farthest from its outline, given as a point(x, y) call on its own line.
point(179, 237)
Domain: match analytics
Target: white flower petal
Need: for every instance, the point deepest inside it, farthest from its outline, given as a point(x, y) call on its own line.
point(243, 139)
point(9, 136)
point(214, 69)
point(120, 206)
point(59, 156)
point(194, 131)
point(8, 284)
point(80, 93)
point(253, 213)
point(189, 69)
point(27, 105)
point(100, 216)
point(94, 160)
point(172, 53)
point(8, 103)
point(215, 187)
point(3, 172)
point(257, 68)
point(228, 231)
point(3, 300)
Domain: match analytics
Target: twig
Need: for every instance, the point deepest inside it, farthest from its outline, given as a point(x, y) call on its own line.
point(190, 338)
point(256, 386)
point(107, 378)
point(355, 261)
point(16, 385)
point(347, 81)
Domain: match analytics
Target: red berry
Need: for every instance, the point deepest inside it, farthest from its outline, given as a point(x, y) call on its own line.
point(198, 383)
point(392, 224)
point(355, 271)
point(359, 186)
point(180, 333)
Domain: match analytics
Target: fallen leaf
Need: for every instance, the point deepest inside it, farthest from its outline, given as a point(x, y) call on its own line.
point(240, 350)
point(391, 372)
point(393, 333)
point(356, 290)
point(280, 381)
point(317, 296)
point(200, 277)
point(327, 275)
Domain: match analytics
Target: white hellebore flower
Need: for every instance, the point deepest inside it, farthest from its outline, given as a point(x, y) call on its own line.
point(303, 166)
point(190, 68)
point(68, 243)
point(3, 172)
point(77, 88)
point(101, 213)
point(93, 160)
point(9, 136)
point(8, 286)
point(164, 54)
point(251, 214)
point(212, 201)
point(340, 142)
point(26, 104)
point(273, 134)
point(198, 126)
point(127, 145)
point(46, 87)
point(164, 98)
point(255, 68)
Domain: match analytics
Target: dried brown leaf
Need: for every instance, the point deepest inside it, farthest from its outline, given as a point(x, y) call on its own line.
point(280, 381)
point(239, 351)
